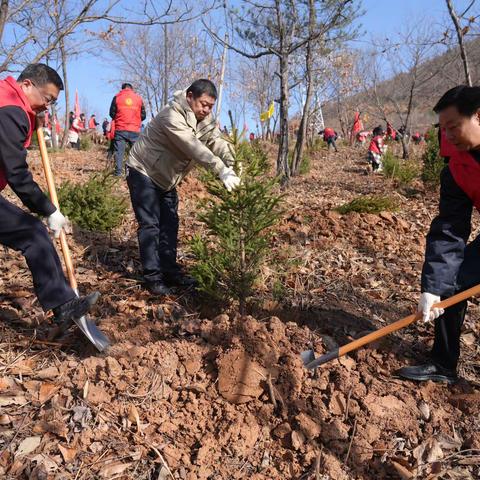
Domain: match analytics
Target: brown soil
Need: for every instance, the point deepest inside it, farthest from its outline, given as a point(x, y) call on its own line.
point(187, 394)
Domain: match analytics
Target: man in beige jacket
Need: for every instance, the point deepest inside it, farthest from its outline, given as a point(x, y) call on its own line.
point(182, 135)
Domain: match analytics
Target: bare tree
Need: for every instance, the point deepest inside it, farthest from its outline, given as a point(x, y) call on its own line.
point(460, 36)
point(281, 28)
point(139, 53)
point(336, 31)
point(408, 67)
point(256, 81)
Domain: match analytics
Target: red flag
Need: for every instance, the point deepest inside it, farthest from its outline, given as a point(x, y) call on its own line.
point(76, 108)
point(357, 126)
point(47, 119)
point(57, 125)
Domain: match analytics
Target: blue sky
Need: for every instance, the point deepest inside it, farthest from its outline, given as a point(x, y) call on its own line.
point(92, 76)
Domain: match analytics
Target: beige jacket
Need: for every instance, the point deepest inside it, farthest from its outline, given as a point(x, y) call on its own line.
point(173, 142)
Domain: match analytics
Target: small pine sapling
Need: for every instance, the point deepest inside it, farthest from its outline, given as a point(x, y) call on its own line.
point(238, 224)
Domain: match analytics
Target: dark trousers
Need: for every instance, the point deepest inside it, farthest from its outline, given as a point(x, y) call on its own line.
point(446, 346)
point(121, 138)
point(331, 143)
point(157, 216)
point(25, 233)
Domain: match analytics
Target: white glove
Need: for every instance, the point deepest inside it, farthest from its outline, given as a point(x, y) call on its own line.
point(56, 221)
point(425, 306)
point(229, 179)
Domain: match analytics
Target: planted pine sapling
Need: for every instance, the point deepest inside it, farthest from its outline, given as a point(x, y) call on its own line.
point(238, 228)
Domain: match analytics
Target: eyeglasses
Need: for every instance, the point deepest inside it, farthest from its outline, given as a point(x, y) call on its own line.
point(48, 101)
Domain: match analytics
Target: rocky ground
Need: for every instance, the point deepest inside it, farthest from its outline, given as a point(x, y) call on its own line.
point(189, 392)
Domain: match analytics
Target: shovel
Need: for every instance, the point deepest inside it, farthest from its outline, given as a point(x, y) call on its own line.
point(86, 326)
point(310, 362)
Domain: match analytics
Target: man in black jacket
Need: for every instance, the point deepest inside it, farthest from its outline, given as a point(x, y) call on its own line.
point(20, 101)
point(450, 264)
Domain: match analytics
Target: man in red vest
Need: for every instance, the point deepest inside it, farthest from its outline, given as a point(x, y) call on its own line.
point(128, 112)
point(92, 123)
point(329, 136)
point(21, 100)
point(451, 265)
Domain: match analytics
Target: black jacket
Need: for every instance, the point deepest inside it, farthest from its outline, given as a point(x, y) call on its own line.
point(14, 126)
point(447, 238)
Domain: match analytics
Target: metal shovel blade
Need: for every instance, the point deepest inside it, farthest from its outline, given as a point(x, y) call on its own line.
point(93, 333)
point(307, 356)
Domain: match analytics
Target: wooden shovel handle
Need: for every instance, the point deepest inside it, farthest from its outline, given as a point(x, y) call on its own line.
point(393, 327)
point(53, 197)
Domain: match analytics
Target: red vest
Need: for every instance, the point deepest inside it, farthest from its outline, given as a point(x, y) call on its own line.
point(111, 132)
point(91, 123)
point(77, 125)
point(328, 133)
point(466, 173)
point(376, 144)
point(12, 95)
point(129, 108)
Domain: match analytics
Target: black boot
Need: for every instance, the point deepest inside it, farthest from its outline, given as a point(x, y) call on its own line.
point(157, 288)
point(179, 280)
point(74, 309)
point(428, 371)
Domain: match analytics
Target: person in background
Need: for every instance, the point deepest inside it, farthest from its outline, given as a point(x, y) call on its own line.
point(105, 127)
point(377, 149)
point(77, 127)
point(417, 138)
point(330, 136)
point(128, 112)
point(362, 137)
point(21, 101)
point(92, 123)
point(110, 137)
point(391, 133)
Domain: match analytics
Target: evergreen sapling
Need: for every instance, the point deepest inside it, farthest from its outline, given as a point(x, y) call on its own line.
point(239, 225)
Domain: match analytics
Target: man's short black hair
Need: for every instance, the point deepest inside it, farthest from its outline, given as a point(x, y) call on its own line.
point(126, 85)
point(466, 99)
point(41, 74)
point(203, 86)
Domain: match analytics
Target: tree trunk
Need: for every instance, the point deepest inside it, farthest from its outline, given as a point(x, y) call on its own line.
point(53, 123)
point(63, 55)
point(405, 150)
point(341, 120)
point(463, 51)
point(283, 168)
point(222, 78)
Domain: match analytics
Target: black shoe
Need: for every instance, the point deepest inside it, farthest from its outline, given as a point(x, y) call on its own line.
point(179, 280)
point(428, 371)
point(157, 288)
point(74, 309)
